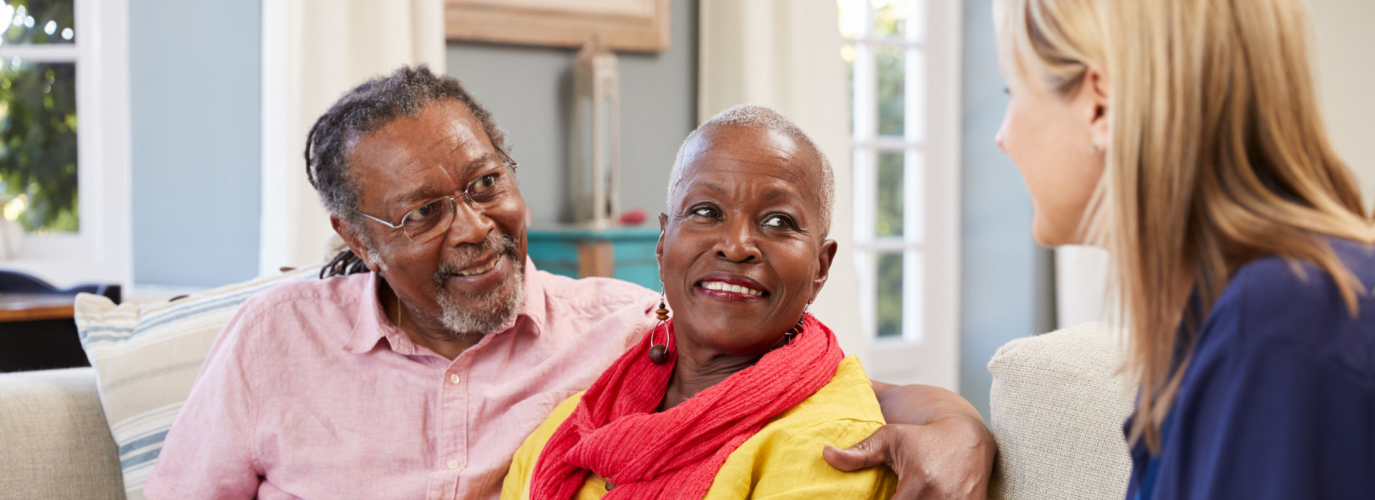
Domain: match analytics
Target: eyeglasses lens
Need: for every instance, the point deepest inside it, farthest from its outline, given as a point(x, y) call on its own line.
point(428, 220)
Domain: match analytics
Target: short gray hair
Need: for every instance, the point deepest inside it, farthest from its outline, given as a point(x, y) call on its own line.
point(760, 117)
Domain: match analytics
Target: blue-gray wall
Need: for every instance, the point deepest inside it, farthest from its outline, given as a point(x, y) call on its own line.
point(1003, 272)
point(195, 116)
point(529, 91)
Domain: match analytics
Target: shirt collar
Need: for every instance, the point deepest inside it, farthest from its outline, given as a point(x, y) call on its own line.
point(372, 325)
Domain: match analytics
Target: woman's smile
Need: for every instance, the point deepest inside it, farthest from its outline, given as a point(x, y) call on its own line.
point(731, 288)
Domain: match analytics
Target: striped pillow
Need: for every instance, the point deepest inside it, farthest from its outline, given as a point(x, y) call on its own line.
point(146, 357)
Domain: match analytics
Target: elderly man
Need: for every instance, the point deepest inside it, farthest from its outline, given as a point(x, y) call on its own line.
point(420, 370)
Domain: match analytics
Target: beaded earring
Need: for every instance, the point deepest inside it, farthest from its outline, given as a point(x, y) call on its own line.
point(658, 353)
point(796, 329)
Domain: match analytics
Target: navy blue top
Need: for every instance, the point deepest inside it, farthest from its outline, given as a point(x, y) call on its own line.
point(1279, 399)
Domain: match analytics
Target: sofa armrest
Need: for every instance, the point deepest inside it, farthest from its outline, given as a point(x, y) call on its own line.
point(1057, 406)
point(55, 442)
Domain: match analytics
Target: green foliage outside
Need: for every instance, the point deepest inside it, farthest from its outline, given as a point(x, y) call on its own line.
point(38, 123)
point(889, 295)
point(892, 69)
point(890, 194)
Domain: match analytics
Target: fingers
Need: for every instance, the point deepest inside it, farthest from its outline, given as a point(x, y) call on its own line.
point(872, 451)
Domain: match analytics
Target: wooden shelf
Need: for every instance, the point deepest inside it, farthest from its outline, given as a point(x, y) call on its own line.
point(33, 307)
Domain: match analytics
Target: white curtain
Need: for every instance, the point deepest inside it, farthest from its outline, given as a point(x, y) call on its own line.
point(785, 54)
point(313, 52)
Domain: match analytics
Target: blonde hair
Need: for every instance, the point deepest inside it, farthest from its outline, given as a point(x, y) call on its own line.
point(1217, 156)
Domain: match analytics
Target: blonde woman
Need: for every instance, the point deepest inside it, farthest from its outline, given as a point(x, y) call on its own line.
point(1183, 136)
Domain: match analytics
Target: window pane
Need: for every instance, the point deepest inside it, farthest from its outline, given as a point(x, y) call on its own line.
point(915, 228)
point(890, 18)
point(38, 145)
point(892, 76)
point(36, 22)
point(847, 54)
point(890, 295)
point(851, 17)
point(890, 189)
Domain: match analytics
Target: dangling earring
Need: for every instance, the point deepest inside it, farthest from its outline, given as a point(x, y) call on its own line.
point(796, 329)
point(658, 353)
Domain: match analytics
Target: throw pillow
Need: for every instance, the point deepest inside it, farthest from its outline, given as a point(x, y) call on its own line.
point(146, 356)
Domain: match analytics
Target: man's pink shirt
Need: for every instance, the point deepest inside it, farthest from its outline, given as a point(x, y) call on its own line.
point(311, 392)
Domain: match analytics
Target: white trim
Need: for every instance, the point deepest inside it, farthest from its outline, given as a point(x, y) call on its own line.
point(942, 160)
point(887, 144)
point(100, 252)
point(887, 41)
point(66, 52)
point(273, 235)
point(890, 244)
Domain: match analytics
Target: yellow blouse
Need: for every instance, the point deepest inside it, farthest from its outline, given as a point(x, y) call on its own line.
point(781, 461)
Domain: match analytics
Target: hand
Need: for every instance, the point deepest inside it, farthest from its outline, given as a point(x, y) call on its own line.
point(951, 457)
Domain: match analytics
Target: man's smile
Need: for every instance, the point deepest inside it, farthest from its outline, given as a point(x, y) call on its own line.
point(480, 268)
point(482, 277)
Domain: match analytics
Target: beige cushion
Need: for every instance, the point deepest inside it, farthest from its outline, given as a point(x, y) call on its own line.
point(1057, 408)
point(146, 356)
point(56, 442)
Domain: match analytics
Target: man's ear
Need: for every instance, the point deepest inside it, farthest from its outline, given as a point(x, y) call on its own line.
point(825, 257)
point(1094, 92)
point(354, 242)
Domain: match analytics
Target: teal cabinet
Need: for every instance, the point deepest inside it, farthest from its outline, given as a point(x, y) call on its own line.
point(625, 253)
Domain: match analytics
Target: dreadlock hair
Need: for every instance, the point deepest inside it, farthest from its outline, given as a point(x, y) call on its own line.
point(363, 110)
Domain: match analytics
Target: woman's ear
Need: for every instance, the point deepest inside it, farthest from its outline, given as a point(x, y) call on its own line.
point(1094, 92)
point(825, 257)
point(663, 226)
point(354, 243)
point(659, 249)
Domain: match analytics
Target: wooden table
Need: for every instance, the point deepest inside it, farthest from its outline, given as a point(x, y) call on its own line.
point(37, 333)
point(33, 307)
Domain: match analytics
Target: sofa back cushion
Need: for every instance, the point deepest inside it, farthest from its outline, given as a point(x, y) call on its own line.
point(1057, 406)
point(146, 357)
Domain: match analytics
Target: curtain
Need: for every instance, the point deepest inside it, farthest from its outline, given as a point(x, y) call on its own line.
point(785, 54)
point(313, 52)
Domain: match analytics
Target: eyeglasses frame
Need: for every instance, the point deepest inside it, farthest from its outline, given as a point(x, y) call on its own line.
point(453, 200)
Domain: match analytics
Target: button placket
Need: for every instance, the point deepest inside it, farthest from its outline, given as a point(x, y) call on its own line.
point(455, 408)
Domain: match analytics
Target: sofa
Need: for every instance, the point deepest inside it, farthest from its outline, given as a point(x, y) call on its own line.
point(1056, 410)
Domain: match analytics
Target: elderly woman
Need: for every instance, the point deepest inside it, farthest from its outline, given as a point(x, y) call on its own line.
point(735, 394)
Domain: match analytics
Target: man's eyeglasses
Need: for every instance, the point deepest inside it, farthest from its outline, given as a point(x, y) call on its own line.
point(434, 217)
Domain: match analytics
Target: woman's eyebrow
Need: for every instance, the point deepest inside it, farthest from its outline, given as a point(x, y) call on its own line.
point(778, 192)
point(713, 187)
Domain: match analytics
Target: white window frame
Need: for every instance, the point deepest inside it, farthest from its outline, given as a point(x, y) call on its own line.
point(100, 251)
point(928, 349)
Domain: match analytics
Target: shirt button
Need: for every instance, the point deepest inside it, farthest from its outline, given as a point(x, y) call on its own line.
point(453, 464)
point(453, 377)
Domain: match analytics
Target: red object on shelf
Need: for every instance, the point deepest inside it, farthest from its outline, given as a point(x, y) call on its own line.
point(633, 217)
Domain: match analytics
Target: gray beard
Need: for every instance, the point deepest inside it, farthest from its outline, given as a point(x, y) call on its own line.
point(487, 313)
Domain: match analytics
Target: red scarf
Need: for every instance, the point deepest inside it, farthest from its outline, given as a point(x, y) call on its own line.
point(676, 454)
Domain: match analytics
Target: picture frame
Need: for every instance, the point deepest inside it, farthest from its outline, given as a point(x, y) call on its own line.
point(621, 25)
